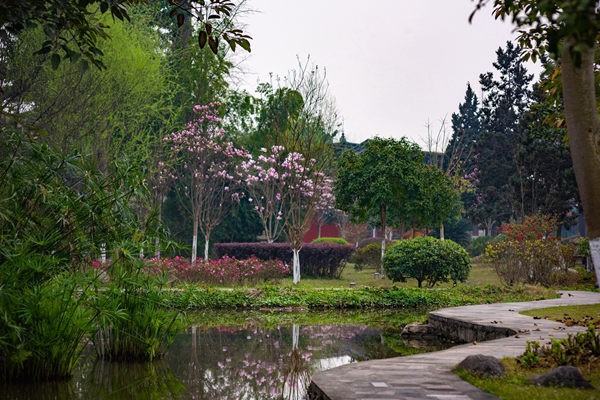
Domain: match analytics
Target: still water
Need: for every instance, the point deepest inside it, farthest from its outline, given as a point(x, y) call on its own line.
point(237, 357)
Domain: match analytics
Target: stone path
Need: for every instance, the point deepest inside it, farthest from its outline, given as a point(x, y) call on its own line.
point(429, 376)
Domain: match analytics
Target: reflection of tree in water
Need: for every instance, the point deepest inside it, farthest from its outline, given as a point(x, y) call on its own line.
point(250, 362)
point(227, 362)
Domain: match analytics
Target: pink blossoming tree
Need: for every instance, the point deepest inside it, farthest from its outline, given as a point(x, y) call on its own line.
point(203, 166)
point(286, 191)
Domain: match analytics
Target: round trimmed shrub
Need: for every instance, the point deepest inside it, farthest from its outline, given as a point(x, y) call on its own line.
point(368, 256)
point(427, 259)
point(335, 240)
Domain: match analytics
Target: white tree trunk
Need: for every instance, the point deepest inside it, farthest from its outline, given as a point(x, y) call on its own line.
point(296, 265)
point(206, 243)
point(157, 246)
point(195, 242)
point(442, 232)
point(595, 254)
point(382, 254)
point(295, 336)
point(103, 252)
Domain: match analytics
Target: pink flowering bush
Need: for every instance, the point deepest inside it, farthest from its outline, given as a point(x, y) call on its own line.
point(224, 271)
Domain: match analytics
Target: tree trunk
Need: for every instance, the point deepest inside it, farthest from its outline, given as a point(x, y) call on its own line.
point(383, 220)
point(296, 265)
point(583, 128)
point(206, 243)
point(295, 336)
point(319, 231)
point(442, 232)
point(195, 241)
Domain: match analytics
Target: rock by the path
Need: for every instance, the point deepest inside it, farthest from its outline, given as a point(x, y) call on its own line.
point(482, 366)
point(418, 331)
point(566, 376)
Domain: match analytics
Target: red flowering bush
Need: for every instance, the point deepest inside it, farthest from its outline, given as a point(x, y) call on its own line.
point(534, 227)
point(226, 270)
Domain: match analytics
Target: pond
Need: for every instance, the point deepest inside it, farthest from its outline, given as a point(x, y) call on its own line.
point(239, 356)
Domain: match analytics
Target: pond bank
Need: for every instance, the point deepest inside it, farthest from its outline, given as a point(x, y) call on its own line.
point(429, 375)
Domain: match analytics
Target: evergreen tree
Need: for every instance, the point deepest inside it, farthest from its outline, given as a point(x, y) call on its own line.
point(505, 100)
point(466, 129)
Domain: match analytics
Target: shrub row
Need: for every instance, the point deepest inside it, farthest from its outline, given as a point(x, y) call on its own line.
point(197, 298)
point(324, 260)
point(225, 270)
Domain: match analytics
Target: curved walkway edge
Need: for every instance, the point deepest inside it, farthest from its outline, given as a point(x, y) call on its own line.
point(429, 375)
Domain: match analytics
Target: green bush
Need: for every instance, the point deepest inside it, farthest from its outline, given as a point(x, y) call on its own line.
point(577, 350)
point(427, 259)
point(478, 245)
point(368, 256)
point(336, 240)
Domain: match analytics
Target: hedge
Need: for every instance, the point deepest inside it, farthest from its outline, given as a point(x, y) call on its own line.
point(193, 297)
point(335, 240)
point(324, 260)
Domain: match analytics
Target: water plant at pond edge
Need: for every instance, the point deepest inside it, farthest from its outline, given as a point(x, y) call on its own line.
point(42, 328)
point(133, 324)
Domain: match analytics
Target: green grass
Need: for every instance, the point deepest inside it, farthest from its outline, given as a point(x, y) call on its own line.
point(514, 385)
point(481, 275)
point(584, 315)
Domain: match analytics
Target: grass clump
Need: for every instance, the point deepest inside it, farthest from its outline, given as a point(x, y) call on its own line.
point(133, 324)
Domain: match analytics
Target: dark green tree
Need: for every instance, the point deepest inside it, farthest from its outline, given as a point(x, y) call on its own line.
point(544, 181)
point(568, 30)
point(506, 97)
point(466, 130)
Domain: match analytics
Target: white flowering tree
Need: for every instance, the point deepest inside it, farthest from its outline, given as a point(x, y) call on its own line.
point(203, 166)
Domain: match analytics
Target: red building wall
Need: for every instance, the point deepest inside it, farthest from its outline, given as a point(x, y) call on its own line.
point(328, 230)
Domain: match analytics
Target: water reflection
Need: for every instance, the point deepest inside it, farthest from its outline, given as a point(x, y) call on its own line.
point(225, 362)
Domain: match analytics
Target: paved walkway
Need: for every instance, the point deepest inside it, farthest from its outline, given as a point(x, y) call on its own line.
point(429, 376)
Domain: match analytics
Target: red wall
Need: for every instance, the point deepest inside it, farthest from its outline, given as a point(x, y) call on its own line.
point(329, 230)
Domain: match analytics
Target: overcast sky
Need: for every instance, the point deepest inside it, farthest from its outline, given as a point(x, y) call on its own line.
point(392, 65)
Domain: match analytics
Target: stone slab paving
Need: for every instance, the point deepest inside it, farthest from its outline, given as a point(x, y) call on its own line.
point(429, 376)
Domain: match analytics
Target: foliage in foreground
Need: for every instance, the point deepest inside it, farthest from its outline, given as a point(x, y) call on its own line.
point(579, 350)
point(196, 298)
point(427, 259)
point(133, 325)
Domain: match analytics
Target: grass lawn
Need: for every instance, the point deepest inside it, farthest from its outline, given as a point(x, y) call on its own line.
point(570, 315)
point(481, 275)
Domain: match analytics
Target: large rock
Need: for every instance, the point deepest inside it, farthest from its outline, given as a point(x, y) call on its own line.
point(565, 376)
point(482, 366)
point(418, 331)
